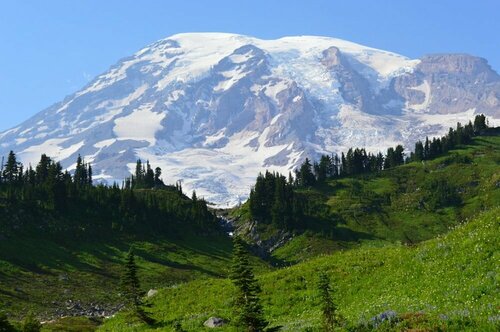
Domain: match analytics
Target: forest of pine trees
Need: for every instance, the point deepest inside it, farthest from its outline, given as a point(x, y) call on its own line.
point(275, 200)
point(46, 198)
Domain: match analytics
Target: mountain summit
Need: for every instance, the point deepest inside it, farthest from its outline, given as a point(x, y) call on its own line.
point(214, 109)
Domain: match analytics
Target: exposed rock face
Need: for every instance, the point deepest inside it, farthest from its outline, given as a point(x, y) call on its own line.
point(451, 83)
point(354, 88)
point(213, 110)
point(261, 248)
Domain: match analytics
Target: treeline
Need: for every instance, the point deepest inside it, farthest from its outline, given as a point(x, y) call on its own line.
point(48, 199)
point(275, 200)
point(355, 161)
point(460, 135)
point(358, 161)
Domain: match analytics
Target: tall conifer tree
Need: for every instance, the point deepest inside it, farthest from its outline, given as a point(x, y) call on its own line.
point(328, 308)
point(11, 169)
point(248, 310)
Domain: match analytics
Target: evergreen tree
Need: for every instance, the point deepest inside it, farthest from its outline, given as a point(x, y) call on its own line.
point(291, 181)
point(336, 166)
point(328, 307)
point(389, 158)
point(278, 210)
point(258, 199)
point(426, 149)
point(138, 179)
point(324, 168)
point(42, 169)
point(11, 169)
point(458, 133)
point(452, 138)
point(30, 176)
point(348, 166)
point(399, 155)
point(380, 161)
point(89, 175)
point(358, 161)
point(306, 175)
point(435, 148)
point(419, 151)
point(158, 181)
point(81, 173)
point(316, 172)
point(132, 290)
point(248, 310)
point(149, 177)
point(130, 282)
point(469, 131)
point(394, 157)
point(343, 163)
point(479, 123)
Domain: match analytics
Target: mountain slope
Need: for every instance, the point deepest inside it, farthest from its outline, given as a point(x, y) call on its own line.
point(449, 283)
point(214, 109)
point(62, 246)
point(406, 204)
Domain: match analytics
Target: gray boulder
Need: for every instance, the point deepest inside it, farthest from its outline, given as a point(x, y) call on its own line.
point(214, 322)
point(152, 292)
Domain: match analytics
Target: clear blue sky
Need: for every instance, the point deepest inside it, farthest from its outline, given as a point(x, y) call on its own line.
point(51, 48)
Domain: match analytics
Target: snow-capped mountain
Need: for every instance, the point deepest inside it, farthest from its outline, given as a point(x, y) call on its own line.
point(214, 109)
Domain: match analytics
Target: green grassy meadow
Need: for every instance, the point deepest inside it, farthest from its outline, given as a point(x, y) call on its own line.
point(451, 282)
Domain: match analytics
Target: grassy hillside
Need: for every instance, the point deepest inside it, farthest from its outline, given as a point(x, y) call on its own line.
point(451, 282)
point(63, 240)
point(405, 204)
point(36, 272)
point(43, 275)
